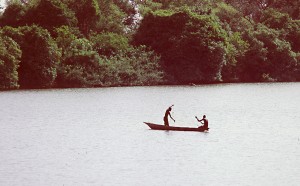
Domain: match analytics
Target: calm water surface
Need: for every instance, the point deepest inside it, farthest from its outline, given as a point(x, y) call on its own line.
point(97, 136)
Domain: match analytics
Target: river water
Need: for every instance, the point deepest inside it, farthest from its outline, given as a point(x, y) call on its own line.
point(97, 136)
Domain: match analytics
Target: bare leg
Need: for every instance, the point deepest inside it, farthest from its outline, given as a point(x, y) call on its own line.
point(166, 121)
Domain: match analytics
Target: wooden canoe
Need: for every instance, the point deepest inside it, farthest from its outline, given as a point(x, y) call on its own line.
point(163, 127)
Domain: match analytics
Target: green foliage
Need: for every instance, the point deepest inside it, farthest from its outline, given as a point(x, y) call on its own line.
point(50, 14)
point(137, 66)
point(200, 7)
point(232, 19)
point(13, 15)
point(64, 36)
point(269, 57)
point(130, 12)
point(40, 56)
point(109, 44)
point(10, 55)
point(252, 65)
point(292, 33)
point(156, 31)
point(125, 6)
point(45, 13)
point(236, 49)
point(191, 46)
point(80, 66)
point(290, 7)
point(146, 7)
point(226, 12)
point(87, 13)
point(274, 19)
point(280, 56)
point(116, 16)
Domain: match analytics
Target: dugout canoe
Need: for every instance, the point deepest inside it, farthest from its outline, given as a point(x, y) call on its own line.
point(163, 127)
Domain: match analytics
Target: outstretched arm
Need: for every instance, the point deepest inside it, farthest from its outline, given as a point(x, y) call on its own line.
point(199, 119)
point(171, 117)
point(170, 113)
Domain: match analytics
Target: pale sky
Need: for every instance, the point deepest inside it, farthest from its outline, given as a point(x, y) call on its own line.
point(2, 2)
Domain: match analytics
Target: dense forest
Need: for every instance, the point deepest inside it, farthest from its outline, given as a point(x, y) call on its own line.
point(95, 43)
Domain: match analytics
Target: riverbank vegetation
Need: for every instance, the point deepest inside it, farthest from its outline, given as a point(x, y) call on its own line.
point(95, 43)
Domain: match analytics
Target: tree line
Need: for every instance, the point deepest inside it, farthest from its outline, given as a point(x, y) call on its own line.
point(88, 43)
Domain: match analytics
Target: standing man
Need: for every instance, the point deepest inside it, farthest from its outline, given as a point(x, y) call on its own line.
point(168, 113)
point(205, 122)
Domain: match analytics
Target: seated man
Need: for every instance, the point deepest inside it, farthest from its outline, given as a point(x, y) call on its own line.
point(205, 124)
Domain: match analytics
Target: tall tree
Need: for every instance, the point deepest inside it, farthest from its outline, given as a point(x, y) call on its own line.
point(191, 46)
point(40, 56)
point(50, 14)
point(87, 13)
point(13, 15)
point(10, 55)
point(268, 58)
